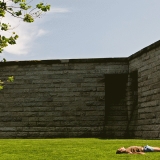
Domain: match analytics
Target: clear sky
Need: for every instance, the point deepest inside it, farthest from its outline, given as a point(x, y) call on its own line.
point(88, 29)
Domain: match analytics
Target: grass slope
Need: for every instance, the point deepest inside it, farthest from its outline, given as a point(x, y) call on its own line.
point(72, 149)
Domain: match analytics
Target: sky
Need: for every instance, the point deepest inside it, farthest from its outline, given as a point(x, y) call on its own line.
point(75, 29)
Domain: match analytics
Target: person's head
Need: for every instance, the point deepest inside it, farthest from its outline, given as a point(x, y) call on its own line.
point(121, 150)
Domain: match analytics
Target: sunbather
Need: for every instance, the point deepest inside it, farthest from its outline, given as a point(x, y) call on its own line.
point(137, 149)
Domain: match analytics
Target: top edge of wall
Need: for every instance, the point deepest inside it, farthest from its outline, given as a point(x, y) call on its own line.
point(145, 50)
point(62, 61)
point(86, 60)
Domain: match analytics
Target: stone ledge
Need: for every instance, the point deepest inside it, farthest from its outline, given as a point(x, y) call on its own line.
point(63, 61)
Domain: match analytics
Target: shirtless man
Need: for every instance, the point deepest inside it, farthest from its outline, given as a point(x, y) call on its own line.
point(137, 150)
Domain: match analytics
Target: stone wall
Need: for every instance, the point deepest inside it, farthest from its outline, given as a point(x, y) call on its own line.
point(57, 98)
point(147, 112)
point(107, 97)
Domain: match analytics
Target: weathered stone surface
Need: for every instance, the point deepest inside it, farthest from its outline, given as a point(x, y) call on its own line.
point(67, 98)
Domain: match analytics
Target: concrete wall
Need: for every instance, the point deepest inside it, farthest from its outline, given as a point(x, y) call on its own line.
point(59, 98)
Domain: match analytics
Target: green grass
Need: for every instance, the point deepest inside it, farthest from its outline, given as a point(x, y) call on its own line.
point(72, 149)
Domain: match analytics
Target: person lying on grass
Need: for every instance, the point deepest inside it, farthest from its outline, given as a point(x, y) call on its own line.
point(137, 150)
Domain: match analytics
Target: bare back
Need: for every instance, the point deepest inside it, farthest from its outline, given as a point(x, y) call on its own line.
point(134, 149)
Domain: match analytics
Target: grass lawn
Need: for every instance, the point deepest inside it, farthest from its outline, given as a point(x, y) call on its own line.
point(72, 149)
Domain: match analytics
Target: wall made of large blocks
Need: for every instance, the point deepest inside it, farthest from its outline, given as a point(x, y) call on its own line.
point(110, 97)
point(147, 65)
point(59, 98)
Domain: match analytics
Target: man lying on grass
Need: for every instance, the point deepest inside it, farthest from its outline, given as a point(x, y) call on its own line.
point(137, 150)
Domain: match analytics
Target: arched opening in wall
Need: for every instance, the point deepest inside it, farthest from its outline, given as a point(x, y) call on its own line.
point(115, 105)
point(133, 105)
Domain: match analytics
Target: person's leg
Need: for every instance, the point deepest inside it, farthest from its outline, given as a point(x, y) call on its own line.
point(148, 148)
point(156, 149)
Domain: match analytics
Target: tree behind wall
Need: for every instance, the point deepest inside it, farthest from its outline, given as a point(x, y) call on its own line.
point(21, 9)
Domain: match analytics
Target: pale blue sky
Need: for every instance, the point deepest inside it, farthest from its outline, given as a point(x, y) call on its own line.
point(88, 29)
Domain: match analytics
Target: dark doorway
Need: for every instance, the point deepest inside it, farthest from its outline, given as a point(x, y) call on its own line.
point(115, 105)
